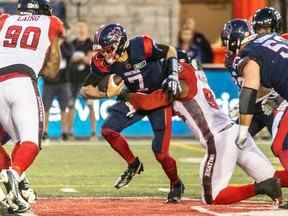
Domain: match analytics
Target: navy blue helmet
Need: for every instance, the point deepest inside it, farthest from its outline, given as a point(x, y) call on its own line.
point(39, 7)
point(267, 17)
point(111, 39)
point(234, 32)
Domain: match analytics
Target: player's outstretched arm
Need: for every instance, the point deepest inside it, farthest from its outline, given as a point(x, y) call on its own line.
point(92, 92)
point(53, 58)
point(154, 100)
point(248, 95)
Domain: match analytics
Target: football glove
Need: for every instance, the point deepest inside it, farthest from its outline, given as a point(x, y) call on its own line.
point(242, 137)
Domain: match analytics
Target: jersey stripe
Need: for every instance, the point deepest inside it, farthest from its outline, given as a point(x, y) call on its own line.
point(197, 114)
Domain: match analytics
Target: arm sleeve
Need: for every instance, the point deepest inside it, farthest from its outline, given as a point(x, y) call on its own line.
point(154, 51)
point(151, 101)
point(3, 17)
point(56, 28)
point(97, 72)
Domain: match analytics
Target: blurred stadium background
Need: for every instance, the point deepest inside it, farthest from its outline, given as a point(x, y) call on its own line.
point(73, 165)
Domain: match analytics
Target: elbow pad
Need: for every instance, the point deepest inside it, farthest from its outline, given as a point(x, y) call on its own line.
point(247, 104)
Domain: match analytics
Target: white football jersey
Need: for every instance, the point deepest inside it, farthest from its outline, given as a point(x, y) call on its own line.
point(25, 39)
point(201, 111)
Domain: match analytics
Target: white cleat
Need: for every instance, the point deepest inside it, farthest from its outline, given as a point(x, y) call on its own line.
point(11, 181)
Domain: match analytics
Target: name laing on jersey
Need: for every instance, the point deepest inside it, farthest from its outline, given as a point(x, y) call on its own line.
point(28, 18)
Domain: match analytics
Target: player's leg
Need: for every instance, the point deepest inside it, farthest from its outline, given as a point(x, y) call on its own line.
point(21, 88)
point(220, 160)
point(64, 96)
point(257, 165)
point(47, 98)
point(90, 104)
point(28, 120)
point(111, 132)
point(5, 161)
point(217, 168)
point(74, 90)
point(161, 120)
point(280, 138)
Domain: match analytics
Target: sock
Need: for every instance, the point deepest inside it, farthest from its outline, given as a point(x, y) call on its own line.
point(283, 176)
point(235, 194)
point(169, 166)
point(5, 161)
point(283, 157)
point(119, 144)
point(15, 149)
point(24, 156)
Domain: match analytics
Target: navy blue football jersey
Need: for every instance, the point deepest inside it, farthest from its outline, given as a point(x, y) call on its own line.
point(271, 53)
point(144, 69)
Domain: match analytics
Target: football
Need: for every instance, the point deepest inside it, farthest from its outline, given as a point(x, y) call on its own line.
point(103, 84)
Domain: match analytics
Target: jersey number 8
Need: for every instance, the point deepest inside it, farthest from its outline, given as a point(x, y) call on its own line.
point(29, 40)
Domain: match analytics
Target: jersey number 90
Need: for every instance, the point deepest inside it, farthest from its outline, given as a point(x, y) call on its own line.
point(29, 39)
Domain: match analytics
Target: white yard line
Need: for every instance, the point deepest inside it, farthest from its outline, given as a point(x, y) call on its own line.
point(205, 211)
point(260, 213)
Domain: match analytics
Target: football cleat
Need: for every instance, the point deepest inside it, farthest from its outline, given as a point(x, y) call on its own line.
point(135, 168)
point(10, 179)
point(176, 192)
point(272, 188)
point(26, 191)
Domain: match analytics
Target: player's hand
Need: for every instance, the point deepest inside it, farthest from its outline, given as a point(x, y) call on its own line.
point(131, 111)
point(172, 86)
point(242, 137)
point(113, 89)
point(270, 103)
point(91, 92)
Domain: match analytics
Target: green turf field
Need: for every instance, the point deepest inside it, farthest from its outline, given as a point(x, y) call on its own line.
point(90, 168)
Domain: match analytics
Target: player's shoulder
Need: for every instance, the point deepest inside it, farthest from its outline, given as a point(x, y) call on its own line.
point(141, 39)
point(98, 65)
point(144, 42)
point(3, 18)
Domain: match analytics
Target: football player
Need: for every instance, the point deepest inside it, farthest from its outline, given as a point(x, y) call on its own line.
point(271, 100)
point(217, 133)
point(29, 43)
point(140, 63)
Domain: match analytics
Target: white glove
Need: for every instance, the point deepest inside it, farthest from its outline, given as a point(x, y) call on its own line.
point(234, 112)
point(242, 136)
point(269, 104)
point(132, 110)
point(173, 84)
